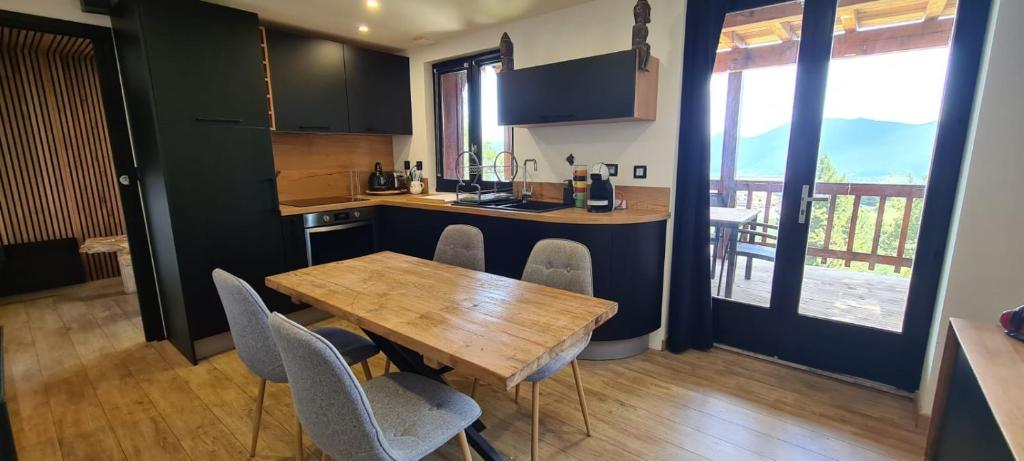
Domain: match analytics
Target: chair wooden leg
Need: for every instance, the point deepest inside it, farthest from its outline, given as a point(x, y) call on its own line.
point(750, 269)
point(298, 438)
point(256, 417)
point(517, 393)
point(579, 391)
point(366, 370)
point(472, 392)
point(535, 433)
point(464, 445)
point(387, 366)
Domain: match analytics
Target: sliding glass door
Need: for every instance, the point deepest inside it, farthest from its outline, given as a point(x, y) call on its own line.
point(824, 119)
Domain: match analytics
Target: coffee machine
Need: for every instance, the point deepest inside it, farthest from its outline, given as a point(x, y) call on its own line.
point(601, 192)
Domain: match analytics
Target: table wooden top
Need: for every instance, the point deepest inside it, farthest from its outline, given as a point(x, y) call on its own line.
point(733, 216)
point(998, 363)
point(493, 328)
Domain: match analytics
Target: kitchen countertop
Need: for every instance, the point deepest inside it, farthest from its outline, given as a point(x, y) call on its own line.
point(563, 216)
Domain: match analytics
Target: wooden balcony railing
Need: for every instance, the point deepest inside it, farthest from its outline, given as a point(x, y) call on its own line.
point(767, 194)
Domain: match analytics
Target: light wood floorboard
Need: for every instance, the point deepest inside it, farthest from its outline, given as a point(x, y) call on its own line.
point(82, 384)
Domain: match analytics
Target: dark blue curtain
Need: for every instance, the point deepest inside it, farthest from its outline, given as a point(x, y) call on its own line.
point(689, 315)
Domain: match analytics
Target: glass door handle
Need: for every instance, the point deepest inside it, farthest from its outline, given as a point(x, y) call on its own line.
point(806, 199)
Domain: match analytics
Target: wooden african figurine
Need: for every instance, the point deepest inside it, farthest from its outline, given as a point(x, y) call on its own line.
point(641, 17)
point(505, 50)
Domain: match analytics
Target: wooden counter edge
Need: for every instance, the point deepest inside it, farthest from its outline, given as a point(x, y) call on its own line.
point(470, 368)
point(949, 355)
point(565, 216)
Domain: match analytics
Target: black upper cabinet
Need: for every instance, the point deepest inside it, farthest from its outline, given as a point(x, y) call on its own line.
point(308, 79)
point(600, 88)
point(378, 92)
point(193, 79)
point(328, 87)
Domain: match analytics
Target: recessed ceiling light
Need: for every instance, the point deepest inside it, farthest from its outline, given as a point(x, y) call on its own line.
point(364, 28)
point(372, 4)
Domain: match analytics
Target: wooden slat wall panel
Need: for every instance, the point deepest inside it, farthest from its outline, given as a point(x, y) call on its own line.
point(56, 170)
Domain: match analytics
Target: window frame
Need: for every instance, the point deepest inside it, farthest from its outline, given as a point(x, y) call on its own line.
point(472, 65)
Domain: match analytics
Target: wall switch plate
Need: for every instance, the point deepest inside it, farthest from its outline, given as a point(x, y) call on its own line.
point(639, 171)
point(613, 169)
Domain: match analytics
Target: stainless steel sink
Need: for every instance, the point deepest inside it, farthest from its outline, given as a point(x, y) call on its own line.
point(530, 207)
point(534, 207)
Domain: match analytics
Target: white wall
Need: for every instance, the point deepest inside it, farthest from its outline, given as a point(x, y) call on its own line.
point(69, 10)
point(598, 27)
point(984, 272)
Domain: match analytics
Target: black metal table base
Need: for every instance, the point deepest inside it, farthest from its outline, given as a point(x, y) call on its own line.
point(411, 361)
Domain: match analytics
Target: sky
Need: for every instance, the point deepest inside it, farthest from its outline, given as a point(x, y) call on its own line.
point(901, 87)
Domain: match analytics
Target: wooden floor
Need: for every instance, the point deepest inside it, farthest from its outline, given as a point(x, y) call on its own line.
point(863, 298)
point(82, 385)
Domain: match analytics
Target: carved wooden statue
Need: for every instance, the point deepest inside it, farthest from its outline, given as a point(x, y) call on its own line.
point(641, 17)
point(505, 50)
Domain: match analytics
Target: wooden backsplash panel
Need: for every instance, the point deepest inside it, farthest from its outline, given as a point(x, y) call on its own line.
point(319, 165)
point(56, 167)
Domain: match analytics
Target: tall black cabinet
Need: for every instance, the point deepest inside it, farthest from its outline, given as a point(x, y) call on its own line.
point(198, 115)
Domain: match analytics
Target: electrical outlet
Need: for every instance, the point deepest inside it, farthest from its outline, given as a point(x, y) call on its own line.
point(613, 169)
point(639, 171)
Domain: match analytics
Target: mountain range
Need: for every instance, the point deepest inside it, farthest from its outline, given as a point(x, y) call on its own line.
point(864, 150)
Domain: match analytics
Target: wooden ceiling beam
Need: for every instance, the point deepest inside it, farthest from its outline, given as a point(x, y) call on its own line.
point(786, 12)
point(737, 41)
point(850, 21)
point(931, 34)
point(783, 31)
point(934, 9)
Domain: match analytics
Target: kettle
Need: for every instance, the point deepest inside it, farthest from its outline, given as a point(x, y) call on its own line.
point(379, 180)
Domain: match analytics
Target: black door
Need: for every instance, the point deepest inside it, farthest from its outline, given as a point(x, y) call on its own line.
point(378, 92)
point(308, 79)
point(794, 280)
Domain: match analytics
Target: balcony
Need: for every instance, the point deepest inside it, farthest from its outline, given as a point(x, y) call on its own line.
point(859, 255)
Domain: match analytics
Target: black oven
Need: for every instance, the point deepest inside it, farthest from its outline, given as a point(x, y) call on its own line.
point(338, 235)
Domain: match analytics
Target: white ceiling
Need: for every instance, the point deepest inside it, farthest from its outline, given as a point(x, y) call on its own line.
point(397, 24)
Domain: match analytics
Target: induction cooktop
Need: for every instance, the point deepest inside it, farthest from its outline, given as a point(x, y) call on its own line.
point(309, 202)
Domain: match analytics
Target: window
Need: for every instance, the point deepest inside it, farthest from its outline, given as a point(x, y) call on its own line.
point(466, 114)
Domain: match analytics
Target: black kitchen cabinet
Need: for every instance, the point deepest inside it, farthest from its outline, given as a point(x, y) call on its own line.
point(601, 88)
point(309, 83)
point(197, 106)
point(378, 92)
point(226, 214)
point(193, 79)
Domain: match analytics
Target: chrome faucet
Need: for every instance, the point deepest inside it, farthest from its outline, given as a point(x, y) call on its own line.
point(527, 191)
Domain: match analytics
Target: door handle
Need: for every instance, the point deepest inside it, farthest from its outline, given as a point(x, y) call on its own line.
point(805, 199)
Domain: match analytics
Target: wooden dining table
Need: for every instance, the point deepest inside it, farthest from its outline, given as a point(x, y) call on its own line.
point(493, 328)
point(731, 220)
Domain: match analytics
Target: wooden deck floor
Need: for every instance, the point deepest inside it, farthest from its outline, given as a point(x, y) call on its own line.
point(862, 298)
point(82, 385)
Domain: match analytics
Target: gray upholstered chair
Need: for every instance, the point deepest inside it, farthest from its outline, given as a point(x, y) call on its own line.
point(247, 318)
point(566, 265)
point(398, 416)
point(461, 245)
